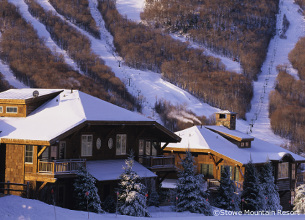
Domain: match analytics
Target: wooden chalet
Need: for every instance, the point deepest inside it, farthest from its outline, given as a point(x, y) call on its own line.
point(47, 134)
point(214, 147)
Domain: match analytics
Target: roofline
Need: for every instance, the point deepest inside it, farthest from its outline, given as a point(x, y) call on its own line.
point(24, 141)
point(229, 135)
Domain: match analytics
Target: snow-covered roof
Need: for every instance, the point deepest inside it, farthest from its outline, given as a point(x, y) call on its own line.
point(61, 114)
point(225, 112)
point(231, 133)
point(201, 138)
point(104, 170)
point(26, 93)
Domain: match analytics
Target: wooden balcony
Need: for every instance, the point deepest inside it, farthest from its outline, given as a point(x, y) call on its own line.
point(213, 184)
point(158, 163)
point(57, 167)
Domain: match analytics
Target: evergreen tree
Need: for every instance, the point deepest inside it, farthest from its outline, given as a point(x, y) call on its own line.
point(190, 193)
point(84, 183)
point(132, 200)
point(227, 198)
point(299, 201)
point(153, 198)
point(271, 195)
point(252, 195)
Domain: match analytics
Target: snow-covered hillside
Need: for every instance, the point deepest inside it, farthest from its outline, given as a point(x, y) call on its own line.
point(149, 86)
point(17, 208)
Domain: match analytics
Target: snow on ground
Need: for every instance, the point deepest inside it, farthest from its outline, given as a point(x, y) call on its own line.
point(277, 54)
point(42, 32)
point(17, 208)
point(131, 8)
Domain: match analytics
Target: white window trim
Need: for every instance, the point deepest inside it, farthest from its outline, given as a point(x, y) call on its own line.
point(86, 153)
point(31, 156)
point(11, 107)
point(119, 149)
point(1, 109)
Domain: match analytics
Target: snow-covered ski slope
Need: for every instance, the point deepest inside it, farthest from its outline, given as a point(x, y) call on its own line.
point(149, 87)
point(277, 54)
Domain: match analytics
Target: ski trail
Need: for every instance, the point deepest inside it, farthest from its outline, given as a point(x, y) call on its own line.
point(147, 86)
point(43, 33)
point(258, 117)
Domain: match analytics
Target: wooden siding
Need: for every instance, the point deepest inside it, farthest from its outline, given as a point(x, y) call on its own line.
point(21, 110)
point(14, 171)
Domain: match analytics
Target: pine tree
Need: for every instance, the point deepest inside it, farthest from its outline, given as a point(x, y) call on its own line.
point(299, 201)
point(132, 200)
point(227, 198)
point(269, 191)
point(153, 198)
point(252, 197)
point(84, 183)
point(190, 193)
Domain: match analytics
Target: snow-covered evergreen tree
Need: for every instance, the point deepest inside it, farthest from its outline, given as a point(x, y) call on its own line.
point(271, 195)
point(153, 198)
point(83, 183)
point(190, 193)
point(252, 196)
point(132, 200)
point(227, 198)
point(299, 201)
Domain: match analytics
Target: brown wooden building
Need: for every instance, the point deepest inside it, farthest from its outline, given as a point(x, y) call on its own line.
point(214, 147)
point(46, 135)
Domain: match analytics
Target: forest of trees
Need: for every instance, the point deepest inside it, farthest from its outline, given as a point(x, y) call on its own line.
point(35, 65)
point(77, 11)
point(4, 85)
point(188, 68)
point(240, 29)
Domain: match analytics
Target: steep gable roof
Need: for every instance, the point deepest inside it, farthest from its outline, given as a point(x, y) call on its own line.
point(201, 139)
point(68, 110)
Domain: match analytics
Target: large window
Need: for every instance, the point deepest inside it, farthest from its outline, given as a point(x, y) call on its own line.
point(148, 148)
point(62, 150)
point(121, 142)
point(283, 170)
point(207, 170)
point(141, 147)
point(293, 173)
point(1, 109)
point(154, 151)
point(87, 143)
point(29, 150)
point(236, 174)
point(12, 110)
point(231, 169)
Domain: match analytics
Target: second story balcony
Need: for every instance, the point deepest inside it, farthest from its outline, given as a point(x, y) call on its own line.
point(158, 163)
point(57, 167)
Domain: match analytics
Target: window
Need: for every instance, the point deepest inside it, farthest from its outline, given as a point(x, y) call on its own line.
point(222, 116)
point(29, 151)
point(12, 110)
point(236, 174)
point(154, 149)
point(283, 170)
point(121, 144)
point(141, 147)
point(87, 142)
point(62, 150)
point(148, 147)
point(1, 109)
point(207, 170)
point(293, 174)
point(53, 152)
point(231, 169)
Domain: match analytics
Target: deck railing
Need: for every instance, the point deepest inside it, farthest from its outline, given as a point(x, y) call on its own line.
point(60, 166)
point(214, 184)
point(156, 162)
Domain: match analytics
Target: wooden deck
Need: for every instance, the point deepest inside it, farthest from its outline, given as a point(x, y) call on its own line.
point(159, 163)
point(57, 167)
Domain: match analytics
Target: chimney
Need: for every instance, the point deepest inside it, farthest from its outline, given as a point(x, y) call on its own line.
point(226, 119)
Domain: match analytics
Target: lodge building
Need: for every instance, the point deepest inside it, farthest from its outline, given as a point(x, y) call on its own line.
point(214, 147)
point(47, 134)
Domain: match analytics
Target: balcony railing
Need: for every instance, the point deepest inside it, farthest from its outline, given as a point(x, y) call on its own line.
point(214, 184)
point(60, 166)
point(158, 162)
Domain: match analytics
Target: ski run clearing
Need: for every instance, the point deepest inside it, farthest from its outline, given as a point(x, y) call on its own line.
point(14, 207)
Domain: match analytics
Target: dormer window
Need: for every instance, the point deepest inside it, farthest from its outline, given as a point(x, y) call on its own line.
point(13, 110)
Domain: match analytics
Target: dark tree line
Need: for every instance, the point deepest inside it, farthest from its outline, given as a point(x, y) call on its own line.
point(78, 47)
point(4, 85)
point(188, 68)
point(240, 29)
point(78, 12)
point(36, 65)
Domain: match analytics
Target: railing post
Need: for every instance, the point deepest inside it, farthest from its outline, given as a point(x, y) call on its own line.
point(8, 187)
point(27, 189)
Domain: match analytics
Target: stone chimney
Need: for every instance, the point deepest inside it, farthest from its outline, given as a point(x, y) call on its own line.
point(226, 119)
